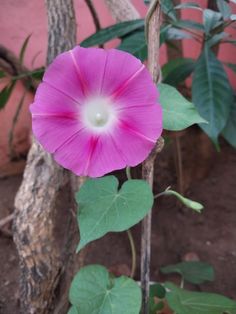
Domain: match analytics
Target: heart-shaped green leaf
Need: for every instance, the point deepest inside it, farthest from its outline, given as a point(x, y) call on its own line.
point(104, 208)
point(194, 272)
point(178, 112)
point(188, 302)
point(93, 290)
point(73, 310)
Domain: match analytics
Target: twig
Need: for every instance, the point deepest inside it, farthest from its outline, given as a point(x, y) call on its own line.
point(179, 164)
point(153, 35)
point(6, 220)
point(94, 14)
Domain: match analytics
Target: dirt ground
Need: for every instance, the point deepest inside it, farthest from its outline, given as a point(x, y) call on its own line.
point(177, 232)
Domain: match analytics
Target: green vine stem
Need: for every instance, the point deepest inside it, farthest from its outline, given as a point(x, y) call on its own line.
point(130, 236)
point(128, 173)
point(162, 193)
point(133, 252)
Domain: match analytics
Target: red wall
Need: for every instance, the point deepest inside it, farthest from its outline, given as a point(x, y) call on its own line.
point(21, 18)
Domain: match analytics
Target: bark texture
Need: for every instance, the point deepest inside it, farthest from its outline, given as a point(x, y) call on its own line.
point(46, 243)
point(122, 10)
point(153, 38)
point(61, 27)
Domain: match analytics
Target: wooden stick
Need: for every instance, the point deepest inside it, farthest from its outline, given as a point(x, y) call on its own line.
point(153, 35)
point(147, 174)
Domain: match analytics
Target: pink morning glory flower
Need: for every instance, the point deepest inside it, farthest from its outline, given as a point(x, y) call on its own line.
point(97, 111)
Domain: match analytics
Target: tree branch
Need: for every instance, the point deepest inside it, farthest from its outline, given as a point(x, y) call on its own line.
point(122, 10)
point(46, 246)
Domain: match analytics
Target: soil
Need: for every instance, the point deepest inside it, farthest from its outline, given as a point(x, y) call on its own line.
point(178, 233)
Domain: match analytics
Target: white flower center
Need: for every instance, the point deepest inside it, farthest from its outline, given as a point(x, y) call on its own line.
point(98, 114)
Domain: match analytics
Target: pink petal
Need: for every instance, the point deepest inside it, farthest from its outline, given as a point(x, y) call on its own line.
point(62, 75)
point(105, 158)
point(89, 155)
point(120, 67)
point(139, 91)
point(75, 154)
point(134, 143)
point(144, 120)
point(105, 71)
point(90, 67)
point(55, 117)
point(54, 131)
point(50, 101)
